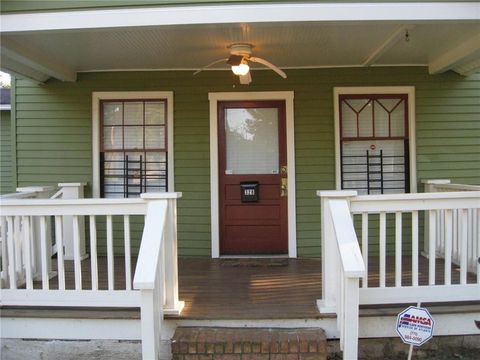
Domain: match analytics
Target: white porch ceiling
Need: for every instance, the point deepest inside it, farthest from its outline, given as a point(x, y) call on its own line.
point(440, 45)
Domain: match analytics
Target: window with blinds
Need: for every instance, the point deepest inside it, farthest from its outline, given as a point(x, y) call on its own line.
point(374, 143)
point(133, 158)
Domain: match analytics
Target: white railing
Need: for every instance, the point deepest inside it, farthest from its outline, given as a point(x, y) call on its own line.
point(389, 228)
point(343, 266)
point(155, 276)
point(31, 192)
point(441, 217)
point(65, 191)
point(158, 284)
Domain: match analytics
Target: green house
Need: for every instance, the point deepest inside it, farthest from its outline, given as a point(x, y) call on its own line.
point(248, 108)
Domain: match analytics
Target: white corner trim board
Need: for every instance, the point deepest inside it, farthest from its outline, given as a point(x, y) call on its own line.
point(214, 98)
point(228, 13)
point(124, 95)
point(410, 91)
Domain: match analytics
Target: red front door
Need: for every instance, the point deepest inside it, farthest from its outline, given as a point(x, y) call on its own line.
point(252, 149)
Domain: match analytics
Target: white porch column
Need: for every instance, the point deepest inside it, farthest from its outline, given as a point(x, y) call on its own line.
point(330, 264)
point(73, 191)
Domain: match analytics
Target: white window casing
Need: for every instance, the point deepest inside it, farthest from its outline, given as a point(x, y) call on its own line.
point(410, 92)
point(126, 95)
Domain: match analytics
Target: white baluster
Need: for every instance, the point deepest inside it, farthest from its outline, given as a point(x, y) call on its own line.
point(463, 225)
point(4, 273)
point(431, 249)
point(77, 260)
point(44, 253)
point(448, 246)
point(128, 257)
point(34, 245)
point(110, 258)
point(383, 248)
point(440, 238)
point(415, 248)
point(455, 237)
point(93, 252)
point(27, 252)
point(12, 269)
point(365, 247)
point(471, 244)
point(398, 249)
point(18, 245)
point(60, 252)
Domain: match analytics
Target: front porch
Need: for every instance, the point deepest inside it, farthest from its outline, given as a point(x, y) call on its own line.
point(237, 289)
point(354, 291)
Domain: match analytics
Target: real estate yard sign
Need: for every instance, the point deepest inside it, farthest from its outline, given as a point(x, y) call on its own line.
point(415, 325)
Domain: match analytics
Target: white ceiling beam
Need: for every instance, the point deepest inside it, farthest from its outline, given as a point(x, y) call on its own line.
point(35, 59)
point(468, 68)
point(245, 13)
point(21, 71)
point(467, 51)
point(386, 45)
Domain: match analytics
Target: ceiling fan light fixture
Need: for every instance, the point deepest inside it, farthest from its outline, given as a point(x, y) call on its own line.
point(241, 69)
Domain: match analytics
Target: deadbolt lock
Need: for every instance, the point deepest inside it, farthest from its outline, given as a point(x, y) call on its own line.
point(284, 187)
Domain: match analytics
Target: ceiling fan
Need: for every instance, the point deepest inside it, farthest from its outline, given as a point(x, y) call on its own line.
point(240, 56)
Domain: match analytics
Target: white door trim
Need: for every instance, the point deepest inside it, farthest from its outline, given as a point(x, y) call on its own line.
point(410, 91)
point(141, 95)
point(214, 98)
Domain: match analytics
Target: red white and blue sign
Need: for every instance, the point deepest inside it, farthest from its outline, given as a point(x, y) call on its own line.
point(415, 326)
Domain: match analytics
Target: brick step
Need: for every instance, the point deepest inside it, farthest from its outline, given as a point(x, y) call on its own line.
point(219, 343)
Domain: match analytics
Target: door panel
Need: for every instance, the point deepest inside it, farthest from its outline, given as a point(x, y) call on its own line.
point(252, 148)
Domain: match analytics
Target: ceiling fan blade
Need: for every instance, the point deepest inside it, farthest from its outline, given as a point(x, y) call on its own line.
point(211, 64)
point(269, 65)
point(245, 79)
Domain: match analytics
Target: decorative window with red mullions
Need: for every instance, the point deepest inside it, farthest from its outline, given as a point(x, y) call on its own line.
point(133, 158)
point(374, 156)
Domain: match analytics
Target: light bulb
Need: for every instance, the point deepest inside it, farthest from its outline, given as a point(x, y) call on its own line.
point(241, 69)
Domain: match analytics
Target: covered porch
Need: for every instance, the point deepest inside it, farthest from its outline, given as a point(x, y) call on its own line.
point(373, 254)
point(239, 289)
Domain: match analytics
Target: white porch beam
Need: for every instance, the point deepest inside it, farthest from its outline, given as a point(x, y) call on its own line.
point(387, 44)
point(21, 71)
point(468, 68)
point(217, 14)
point(39, 63)
point(468, 51)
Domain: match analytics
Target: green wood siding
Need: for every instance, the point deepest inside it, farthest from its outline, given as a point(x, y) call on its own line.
point(54, 133)
point(6, 155)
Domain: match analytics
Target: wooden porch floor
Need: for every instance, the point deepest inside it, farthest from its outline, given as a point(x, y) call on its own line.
point(250, 289)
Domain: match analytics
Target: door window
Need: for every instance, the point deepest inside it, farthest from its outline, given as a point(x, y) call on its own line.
point(251, 136)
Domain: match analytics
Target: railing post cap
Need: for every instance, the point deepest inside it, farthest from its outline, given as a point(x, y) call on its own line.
point(336, 193)
point(161, 196)
point(72, 184)
point(436, 181)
